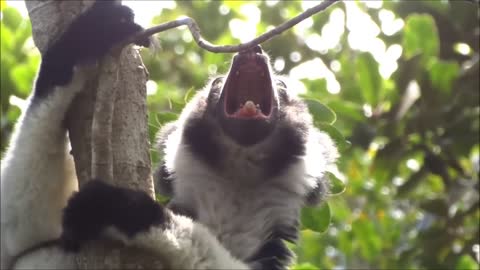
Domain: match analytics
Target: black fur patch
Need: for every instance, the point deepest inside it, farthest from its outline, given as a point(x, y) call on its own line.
point(246, 132)
point(164, 181)
point(88, 38)
point(288, 143)
point(274, 254)
point(283, 95)
point(317, 194)
point(99, 205)
point(198, 134)
point(182, 210)
point(271, 263)
point(286, 232)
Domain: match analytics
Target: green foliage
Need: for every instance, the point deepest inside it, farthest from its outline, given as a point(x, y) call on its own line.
point(466, 263)
point(420, 36)
point(320, 112)
point(18, 66)
point(304, 266)
point(337, 186)
point(368, 78)
point(316, 219)
point(443, 74)
point(409, 138)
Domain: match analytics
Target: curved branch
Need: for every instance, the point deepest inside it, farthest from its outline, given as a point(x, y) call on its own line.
point(195, 30)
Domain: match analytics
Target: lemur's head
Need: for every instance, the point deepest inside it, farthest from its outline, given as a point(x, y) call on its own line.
point(245, 123)
point(248, 105)
point(250, 102)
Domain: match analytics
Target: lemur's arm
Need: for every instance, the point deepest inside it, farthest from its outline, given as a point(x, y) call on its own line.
point(137, 220)
point(37, 172)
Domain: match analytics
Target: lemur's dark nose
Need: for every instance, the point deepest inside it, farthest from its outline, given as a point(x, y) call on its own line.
point(252, 55)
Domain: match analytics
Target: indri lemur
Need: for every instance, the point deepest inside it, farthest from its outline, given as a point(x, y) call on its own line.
point(239, 163)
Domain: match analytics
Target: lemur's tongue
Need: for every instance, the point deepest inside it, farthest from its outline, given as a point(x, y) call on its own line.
point(249, 109)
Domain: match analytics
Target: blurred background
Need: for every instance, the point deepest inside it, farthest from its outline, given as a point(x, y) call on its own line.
point(402, 81)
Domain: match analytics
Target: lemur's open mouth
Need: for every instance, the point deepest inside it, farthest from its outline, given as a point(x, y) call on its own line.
point(248, 89)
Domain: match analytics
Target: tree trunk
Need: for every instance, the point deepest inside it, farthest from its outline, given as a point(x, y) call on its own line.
point(125, 161)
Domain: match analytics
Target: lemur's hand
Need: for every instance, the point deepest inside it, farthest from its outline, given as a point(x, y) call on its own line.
point(95, 31)
point(99, 205)
point(88, 38)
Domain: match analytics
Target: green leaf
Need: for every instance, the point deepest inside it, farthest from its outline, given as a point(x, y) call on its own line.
point(11, 18)
point(320, 112)
point(23, 75)
point(420, 36)
point(162, 199)
point(340, 141)
point(443, 74)
point(13, 114)
point(7, 40)
point(316, 89)
point(290, 245)
point(165, 117)
point(22, 33)
point(369, 239)
point(368, 78)
point(188, 95)
point(466, 263)
point(304, 266)
point(316, 218)
point(345, 108)
point(337, 186)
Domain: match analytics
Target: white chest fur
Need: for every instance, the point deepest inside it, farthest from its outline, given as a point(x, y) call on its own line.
point(241, 215)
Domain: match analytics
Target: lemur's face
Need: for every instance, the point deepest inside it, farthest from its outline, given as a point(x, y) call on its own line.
point(247, 106)
point(248, 116)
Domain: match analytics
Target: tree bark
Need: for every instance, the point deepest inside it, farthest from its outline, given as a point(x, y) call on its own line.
point(126, 160)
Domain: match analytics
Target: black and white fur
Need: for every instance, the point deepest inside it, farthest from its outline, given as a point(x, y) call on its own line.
point(37, 171)
point(249, 189)
point(236, 189)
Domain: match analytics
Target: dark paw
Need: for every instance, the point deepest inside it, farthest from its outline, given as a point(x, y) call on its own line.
point(89, 37)
point(97, 30)
point(99, 205)
point(94, 33)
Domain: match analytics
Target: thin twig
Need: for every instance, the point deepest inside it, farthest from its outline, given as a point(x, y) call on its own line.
point(195, 30)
